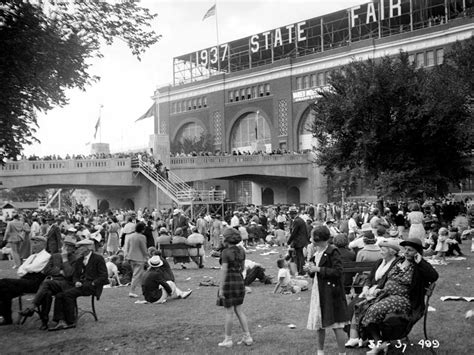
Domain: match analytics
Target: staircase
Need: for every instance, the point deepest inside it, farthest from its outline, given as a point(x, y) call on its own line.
point(191, 201)
point(173, 187)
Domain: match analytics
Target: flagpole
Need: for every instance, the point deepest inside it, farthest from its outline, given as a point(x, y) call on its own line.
point(100, 123)
point(217, 37)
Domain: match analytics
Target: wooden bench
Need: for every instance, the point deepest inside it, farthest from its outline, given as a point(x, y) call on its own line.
point(352, 269)
point(182, 252)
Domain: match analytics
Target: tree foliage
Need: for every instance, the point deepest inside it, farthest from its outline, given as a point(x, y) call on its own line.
point(408, 130)
point(42, 54)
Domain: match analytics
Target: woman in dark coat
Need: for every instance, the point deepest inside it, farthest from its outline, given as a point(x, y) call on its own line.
point(328, 308)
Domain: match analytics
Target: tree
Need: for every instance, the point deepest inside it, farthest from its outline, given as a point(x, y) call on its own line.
point(408, 130)
point(43, 54)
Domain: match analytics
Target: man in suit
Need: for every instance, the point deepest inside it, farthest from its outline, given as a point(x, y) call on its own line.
point(53, 237)
point(63, 266)
point(298, 238)
point(90, 275)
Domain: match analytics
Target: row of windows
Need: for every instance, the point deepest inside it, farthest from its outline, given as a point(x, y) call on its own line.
point(427, 59)
point(312, 80)
point(188, 105)
point(249, 93)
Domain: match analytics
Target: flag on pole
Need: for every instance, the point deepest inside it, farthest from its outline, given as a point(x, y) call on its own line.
point(97, 125)
point(149, 113)
point(210, 12)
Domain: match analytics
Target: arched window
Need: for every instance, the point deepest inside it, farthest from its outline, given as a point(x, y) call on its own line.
point(305, 136)
point(191, 131)
point(251, 133)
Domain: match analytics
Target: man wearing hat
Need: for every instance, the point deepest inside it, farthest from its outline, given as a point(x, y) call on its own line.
point(89, 277)
point(298, 238)
point(179, 220)
point(63, 265)
point(53, 237)
point(157, 285)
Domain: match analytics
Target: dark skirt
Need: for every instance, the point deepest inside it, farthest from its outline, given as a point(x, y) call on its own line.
point(233, 290)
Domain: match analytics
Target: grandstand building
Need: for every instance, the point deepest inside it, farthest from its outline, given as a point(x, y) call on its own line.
point(253, 93)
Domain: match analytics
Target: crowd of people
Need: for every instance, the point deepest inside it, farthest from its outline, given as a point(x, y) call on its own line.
point(236, 152)
point(120, 247)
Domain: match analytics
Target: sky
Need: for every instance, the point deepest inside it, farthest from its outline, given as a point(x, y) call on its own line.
point(127, 84)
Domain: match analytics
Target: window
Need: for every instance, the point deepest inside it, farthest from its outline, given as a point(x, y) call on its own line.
point(299, 83)
point(194, 104)
point(204, 101)
point(314, 81)
point(439, 56)
point(189, 105)
point(327, 76)
point(236, 93)
point(249, 93)
point(320, 79)
point(411, 58)
point(267, 89)
point(260, 90)
point(420, 60)
point(430, 59)
point(199, 103)
point(254, 92)
point(242, 94)
point(306, 82)
point(231, 96)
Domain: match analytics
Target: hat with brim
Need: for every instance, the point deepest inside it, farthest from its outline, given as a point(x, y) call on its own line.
point(68, 240)
point(292, 209)
point(175, 212)
point(415, 243)
point(366, 228)
point(393, 233)
point(155, 261)
point(86, 242)
point(72, 230)
point(232, 236)
point(389, 244)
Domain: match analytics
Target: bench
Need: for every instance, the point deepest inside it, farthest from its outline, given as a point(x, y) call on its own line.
point(352, 269)
point(182, 252)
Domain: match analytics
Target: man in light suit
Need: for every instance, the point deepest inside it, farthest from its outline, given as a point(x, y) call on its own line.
point(136, 253)
point(90, 275)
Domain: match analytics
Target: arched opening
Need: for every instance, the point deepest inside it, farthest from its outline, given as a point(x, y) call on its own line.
point(267, 196)
point(251, 133)
point(128, 204)
point(103, 206)
point(188, 139)
point(293, 195)
point(305, 136)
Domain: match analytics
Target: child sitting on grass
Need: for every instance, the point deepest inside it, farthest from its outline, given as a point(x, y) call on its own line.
point(285, 281)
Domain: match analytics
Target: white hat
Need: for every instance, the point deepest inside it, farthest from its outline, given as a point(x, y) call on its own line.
point(155, 261)
point(175, 212)
point(366, 228)
point(85, 242)
point(72, 230)
point(98, 227)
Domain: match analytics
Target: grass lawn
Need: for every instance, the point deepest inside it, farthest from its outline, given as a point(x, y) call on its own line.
point(195, 325)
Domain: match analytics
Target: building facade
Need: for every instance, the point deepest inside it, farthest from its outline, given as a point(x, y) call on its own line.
point(254, 94)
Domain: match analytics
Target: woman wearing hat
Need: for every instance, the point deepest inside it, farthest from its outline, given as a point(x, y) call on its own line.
point(232, 289)
point(372, 285)
point(328, 307)
point(370, 251)
point(401, 291)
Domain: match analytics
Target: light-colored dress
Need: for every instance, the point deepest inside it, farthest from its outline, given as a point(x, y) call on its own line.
point(416, 225)
point(113, 241)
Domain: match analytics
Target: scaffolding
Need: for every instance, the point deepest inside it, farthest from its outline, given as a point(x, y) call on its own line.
point(374, 20)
